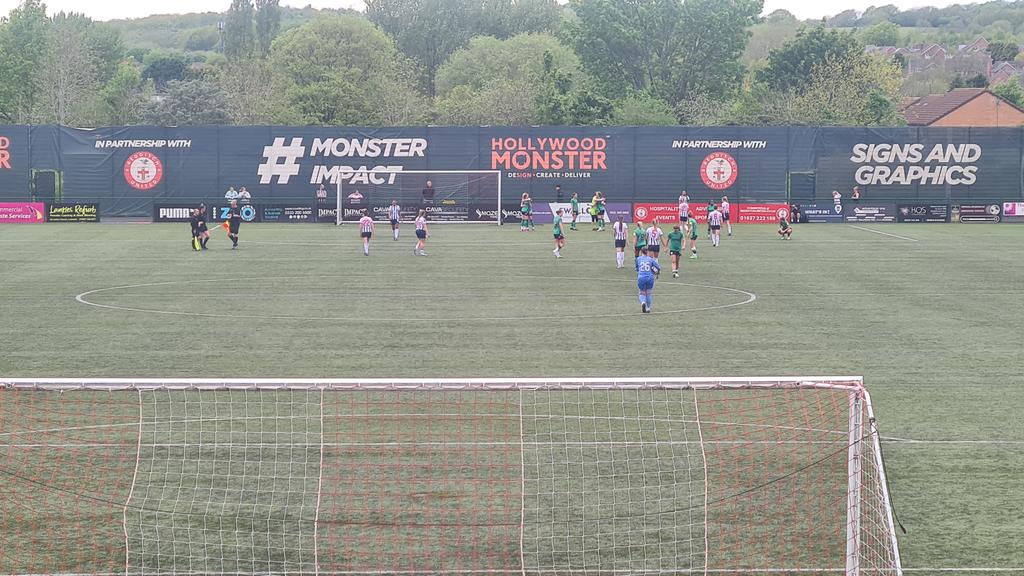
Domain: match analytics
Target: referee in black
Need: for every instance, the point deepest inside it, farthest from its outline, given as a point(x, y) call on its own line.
point(234, 222)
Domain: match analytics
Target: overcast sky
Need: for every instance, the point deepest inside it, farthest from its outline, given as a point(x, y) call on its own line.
point(112, 9)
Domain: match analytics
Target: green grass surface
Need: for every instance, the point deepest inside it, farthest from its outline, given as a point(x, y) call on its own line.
point(935, 326)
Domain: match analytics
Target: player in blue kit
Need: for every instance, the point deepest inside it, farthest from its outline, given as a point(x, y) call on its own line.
point(647, 269)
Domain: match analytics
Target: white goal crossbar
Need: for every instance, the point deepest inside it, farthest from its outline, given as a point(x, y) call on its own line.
point(684, 445)
point(387, 174)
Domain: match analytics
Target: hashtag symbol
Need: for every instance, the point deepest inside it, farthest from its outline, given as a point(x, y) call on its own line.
point(281, 161)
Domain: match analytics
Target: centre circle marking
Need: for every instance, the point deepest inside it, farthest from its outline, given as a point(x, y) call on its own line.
point(750, 297)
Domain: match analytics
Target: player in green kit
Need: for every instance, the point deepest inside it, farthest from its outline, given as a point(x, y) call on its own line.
point(675, 248)
point(556, 231)
point(639, 238)
point(575, 208)
point(691, 226)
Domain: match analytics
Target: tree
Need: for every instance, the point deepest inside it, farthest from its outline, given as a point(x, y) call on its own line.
point(977, 81)
point(123, 97)
point(66, 77)
point(1011, 91)
point(205, 38)
point(268, 24)
point(671, 49)
point(565, 100)
point(339, 66)
point(428, 31)
point(256, 93)
point(522, 58)
point(239, 41)
point(642, 110)
point(23, 46)
point(164, 67)
point(881, 34)
point(857, 91)
point(189, 102)
point(791, 66)
point(1003, 51)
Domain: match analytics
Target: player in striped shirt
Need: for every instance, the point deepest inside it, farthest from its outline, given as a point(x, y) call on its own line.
point(395, 216)
point(647, 269)
point(725, 214)
point(621, 230)
point(684, 207)
point(421, 234)
point(366, 232)
point(715, 223)
point(654, 239)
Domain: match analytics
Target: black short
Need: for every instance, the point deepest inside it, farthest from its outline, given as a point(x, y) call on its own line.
point(675, 252)
point(716, 226)
point(201, 229)
point(655, 249)
point(683, 218)
point(620, 243)
point(233, 226)
point(421, 234)
point(559, 237)
point(725, 216)
point(366, 234)
point(394, 222)
point(600, 212)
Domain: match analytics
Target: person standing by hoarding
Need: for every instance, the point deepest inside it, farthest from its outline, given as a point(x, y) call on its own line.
point(428, 193)
point(244, 197)
point(855, 195)
point(366, 231)
point(231, 194)
point(234, 223)
point(837, 198)
point(725, 214)
point(421, 234)
point(558, 193)
point(321, 196)
point(574, 203)
point(621, 231)
point(556, 231)
point(395, 216)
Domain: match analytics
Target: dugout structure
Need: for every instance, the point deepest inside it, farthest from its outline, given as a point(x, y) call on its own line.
point(483, 476)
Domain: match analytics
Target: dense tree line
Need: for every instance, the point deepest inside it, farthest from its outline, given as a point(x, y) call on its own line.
point(453, 62)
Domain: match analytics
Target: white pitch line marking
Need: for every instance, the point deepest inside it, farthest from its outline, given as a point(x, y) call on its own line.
point(883, 233)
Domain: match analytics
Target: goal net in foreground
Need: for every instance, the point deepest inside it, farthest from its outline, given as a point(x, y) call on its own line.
point(450, 196)
point(545, 477)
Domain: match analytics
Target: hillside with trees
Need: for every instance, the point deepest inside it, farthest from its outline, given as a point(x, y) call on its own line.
point(486, 62)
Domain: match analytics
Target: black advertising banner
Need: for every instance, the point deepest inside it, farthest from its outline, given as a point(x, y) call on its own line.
point(286, 214)
point(72, 213)
point(871, 213)
point(172, 212)
point(326, 214)
point(976, 213)
point(130, 170)
point(922, 213)
point(221, 212)
point(821, 213)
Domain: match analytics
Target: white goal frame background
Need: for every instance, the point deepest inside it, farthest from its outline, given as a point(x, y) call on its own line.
point(340, 211)
point(860, 405)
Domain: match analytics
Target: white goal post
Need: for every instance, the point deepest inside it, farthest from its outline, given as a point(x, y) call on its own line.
point(464, 189)
point(533, 476)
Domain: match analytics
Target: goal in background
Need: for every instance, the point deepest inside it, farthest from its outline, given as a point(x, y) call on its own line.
point(489, 476)
point(458, 195)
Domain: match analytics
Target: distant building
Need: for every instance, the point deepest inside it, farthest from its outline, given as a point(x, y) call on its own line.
point(931, 58)
point(962, 107)
point(1003, 71)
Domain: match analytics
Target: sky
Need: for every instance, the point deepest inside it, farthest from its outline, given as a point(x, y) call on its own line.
point(115, 9)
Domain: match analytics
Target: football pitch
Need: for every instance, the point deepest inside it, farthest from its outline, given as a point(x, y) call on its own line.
point(930, 315)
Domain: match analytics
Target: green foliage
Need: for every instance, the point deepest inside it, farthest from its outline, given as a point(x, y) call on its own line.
point(205, 38)
point(770, 34)
point(884, 33)
point(642, 109)
point(790, 67)
point(564, 101)
point(1003, 51)
point(189, 102)
point(975, 81)
point(123, 97)
point(331, 100)
point(164, 67)
point(239, 38)
point(429, 31)
point(668, 48)
point(23, 44)
point(66, 78)
point(1011, 91)
point(268, 24)
point(487, 59)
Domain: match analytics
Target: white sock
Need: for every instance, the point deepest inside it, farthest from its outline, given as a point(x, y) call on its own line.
point(620, 257)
